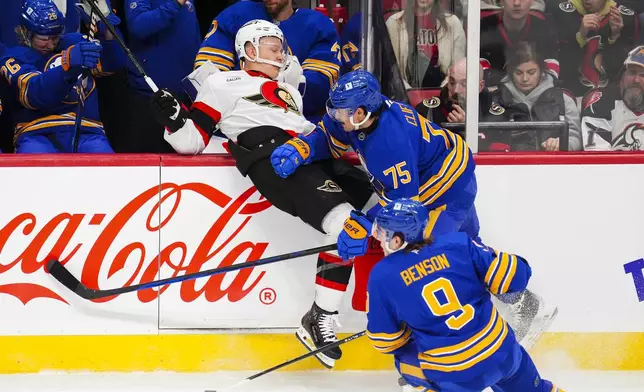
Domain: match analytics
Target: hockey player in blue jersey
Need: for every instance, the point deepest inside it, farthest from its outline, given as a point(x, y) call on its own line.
point(311, 38)
point(44, 72)
point(350, 44)
point(429, 305)
point(406, 156)
point(10, 19)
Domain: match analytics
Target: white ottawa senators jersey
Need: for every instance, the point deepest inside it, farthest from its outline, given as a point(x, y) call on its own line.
point(234, 102)
point(607, 124)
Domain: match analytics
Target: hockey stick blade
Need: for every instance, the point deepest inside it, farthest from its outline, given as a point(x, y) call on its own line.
point(62, 274)
point(291, 361)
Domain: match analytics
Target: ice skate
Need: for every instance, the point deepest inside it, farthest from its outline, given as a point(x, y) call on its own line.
point(530, 317)
point(317, 330)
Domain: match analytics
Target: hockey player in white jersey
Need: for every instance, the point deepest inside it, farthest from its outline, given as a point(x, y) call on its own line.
point(613, 116)
point(257, 109)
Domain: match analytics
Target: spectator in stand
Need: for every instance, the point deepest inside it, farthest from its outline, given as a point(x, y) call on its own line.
point(537, 5)
point(449, 106)
point(613, 117)
point(164, 36)
point(528, 93)
point(311, 36)
point(44, 73)
point(426, 40)
point(594, 37)
point(501, 32)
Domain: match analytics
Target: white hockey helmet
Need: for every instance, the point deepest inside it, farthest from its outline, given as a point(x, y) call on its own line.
point(253, 32)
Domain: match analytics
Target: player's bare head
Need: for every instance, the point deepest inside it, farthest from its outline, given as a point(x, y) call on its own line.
point(525, 67)
point(275, 7)
point(516, 9)
point(593, 6)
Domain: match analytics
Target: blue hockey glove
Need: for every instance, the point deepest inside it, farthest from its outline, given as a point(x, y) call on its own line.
point(85, 54)
point(353, 241)
point(290, 155)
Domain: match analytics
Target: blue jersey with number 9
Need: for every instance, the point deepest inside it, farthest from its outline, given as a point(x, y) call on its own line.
point(438, 299)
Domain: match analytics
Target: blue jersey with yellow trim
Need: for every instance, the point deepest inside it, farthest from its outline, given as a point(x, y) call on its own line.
point(311, 37)
point(48, 98)
point(350, 41)
point(438, 299)
point(406, 155)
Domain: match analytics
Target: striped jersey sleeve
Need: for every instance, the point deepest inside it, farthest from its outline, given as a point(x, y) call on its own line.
point(501, 272)
point(386, 333)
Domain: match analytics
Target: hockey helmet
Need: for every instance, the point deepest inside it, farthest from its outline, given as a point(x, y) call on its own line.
point(355, 89)
point(405, 217)
point(42, 17)
point(253, 32)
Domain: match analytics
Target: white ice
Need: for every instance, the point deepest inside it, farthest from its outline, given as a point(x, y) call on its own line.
point(312, 381)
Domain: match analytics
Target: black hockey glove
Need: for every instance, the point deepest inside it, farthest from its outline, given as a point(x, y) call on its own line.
point(168, 111)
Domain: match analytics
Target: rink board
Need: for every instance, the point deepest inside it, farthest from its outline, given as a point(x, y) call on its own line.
point(124, 220)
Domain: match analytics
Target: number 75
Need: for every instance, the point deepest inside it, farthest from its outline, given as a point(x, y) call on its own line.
point(397, 172)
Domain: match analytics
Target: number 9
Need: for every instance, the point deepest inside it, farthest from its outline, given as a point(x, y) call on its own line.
point(453, 304)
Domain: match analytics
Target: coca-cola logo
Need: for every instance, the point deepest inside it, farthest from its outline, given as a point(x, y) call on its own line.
point(148, 264)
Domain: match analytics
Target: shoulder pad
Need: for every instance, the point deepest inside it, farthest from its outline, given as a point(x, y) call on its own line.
point(496, 109)
point(567, 6)
point(625, 11)
point(432, 102)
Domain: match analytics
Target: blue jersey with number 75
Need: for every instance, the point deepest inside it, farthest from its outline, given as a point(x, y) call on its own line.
point(406, 155)
point(438, 299)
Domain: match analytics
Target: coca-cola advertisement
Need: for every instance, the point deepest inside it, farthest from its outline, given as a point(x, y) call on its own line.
point(119, 226)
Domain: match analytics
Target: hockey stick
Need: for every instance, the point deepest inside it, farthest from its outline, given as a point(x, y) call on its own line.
point(62, 274)
point(123, 45)
point(291, 361)
point(80, 89)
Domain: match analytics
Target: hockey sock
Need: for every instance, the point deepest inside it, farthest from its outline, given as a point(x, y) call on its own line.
point(331, 283)
point(363, 266)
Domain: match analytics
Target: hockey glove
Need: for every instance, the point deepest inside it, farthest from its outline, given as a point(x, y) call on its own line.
point(168, 111)
point(85, 54)
point(353, 241)
point(290, 155)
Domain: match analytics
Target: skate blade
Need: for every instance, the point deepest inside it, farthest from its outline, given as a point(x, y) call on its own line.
point(303, 336)
point(537, 329)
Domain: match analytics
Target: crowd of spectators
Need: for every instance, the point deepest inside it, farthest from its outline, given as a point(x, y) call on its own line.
point(575, 61)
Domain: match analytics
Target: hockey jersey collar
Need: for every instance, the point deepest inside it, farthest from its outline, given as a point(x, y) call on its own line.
point(259, 74)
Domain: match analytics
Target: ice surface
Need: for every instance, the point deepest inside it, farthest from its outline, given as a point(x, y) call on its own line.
point(316, 381)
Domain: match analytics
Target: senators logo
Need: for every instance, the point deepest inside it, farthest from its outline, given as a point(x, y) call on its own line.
point(272, 95)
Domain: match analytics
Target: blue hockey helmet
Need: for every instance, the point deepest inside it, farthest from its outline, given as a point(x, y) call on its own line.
point(403, 216)
point(42, 17)
point(353, 90)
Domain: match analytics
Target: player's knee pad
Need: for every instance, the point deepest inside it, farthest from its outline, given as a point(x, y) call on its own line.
point(333, 222)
